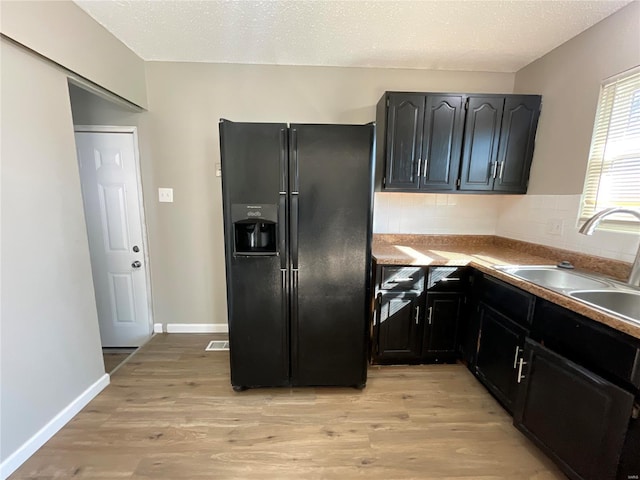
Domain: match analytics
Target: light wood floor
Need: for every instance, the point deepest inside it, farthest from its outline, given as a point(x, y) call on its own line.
point(170, 413)
point(112, 360)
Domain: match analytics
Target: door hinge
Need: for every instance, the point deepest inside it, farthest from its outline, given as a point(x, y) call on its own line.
point(384, 181)
point(457, 182)
point(387, 101)
point(466, 104)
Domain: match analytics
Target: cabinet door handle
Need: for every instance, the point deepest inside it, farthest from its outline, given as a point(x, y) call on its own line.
point(424, 171)
point(419, 166)
point(521, 363)
point(401, 280)
point(429, 315)
point(378, 308)
point(494, 169)
point(515, 358)
point(501, 170)
point(417, 315)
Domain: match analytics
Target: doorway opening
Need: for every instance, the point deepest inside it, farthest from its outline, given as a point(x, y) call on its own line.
point(109, 164)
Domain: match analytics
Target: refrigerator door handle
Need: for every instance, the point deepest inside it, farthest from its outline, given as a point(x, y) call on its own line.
point(294, 230)
point(294, 155)
point(283, 162)
point(282, 227)
point(293, 324)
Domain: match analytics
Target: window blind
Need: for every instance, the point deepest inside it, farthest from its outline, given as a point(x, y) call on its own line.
point(613, 173)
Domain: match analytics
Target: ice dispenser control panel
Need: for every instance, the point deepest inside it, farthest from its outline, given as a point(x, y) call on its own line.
point(254, 228)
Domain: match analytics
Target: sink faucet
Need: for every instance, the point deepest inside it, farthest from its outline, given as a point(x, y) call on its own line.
point(591, 224)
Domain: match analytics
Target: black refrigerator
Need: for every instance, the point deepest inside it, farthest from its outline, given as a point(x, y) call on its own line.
point(297, 205)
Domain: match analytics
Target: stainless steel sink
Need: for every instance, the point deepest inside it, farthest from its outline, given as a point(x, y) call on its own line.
point(556, 278)
point(597, 291)
point(621, 302)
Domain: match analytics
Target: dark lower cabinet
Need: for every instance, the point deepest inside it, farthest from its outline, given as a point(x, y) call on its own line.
point(576, 417)
point(398, 319)
point(414, 322)
point(571, 384)
point(440, 341)
point(500, 343)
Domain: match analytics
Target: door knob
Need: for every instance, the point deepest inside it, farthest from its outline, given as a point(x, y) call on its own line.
point(136, 264)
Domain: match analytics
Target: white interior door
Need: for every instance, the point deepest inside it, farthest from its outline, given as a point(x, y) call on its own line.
point(113, 212)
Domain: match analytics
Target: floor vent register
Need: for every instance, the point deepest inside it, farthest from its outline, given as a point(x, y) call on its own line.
point(217, 346)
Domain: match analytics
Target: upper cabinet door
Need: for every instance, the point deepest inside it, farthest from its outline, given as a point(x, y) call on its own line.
point(481, 138)
point(405, 121)
point(442, 139)
point(519, 123)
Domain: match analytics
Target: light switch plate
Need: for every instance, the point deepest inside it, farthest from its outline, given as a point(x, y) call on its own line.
point(165, 195)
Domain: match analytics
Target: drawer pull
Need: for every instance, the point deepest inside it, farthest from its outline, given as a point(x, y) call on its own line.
point(401, 280)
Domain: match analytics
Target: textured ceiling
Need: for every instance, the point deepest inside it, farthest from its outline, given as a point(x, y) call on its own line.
point(492, 35)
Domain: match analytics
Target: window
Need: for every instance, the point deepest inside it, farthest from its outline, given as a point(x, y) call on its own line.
point(613, 174)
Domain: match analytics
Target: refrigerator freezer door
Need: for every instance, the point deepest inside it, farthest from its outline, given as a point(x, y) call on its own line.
point(331, 169)
point(257, 290)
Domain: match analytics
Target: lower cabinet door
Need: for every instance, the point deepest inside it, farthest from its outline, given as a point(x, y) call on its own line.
point(499, 346)
point(398, 325)
point(440, 341)
point(576, 417)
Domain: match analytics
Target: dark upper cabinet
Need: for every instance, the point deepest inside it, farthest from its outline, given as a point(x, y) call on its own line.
point(421, 149)
point(517, 138)
point(441, 142)
point(405, 120)
point(575, 416)
point(398, 318)
point(431, 142)
point(481, 140)
point(498, 143)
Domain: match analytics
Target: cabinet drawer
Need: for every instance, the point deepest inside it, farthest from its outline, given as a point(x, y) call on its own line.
point(402, 278)
point(446, 279)
point(507, 299)
point(606, 352)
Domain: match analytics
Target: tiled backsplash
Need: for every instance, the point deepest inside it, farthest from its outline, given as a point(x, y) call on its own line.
point(536, 218)
point(545, 219)
point(434, 213)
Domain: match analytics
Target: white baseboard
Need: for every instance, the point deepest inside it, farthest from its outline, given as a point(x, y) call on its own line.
point(29, 447)
point(197, 328)
point(157, 328)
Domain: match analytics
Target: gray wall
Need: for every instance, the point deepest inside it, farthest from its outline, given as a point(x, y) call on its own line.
point(569, 79)
point(50, 344)
point(63, 32)
point(186, 100)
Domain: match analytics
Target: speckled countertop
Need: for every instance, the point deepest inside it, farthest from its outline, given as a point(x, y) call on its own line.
point(485, 252)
